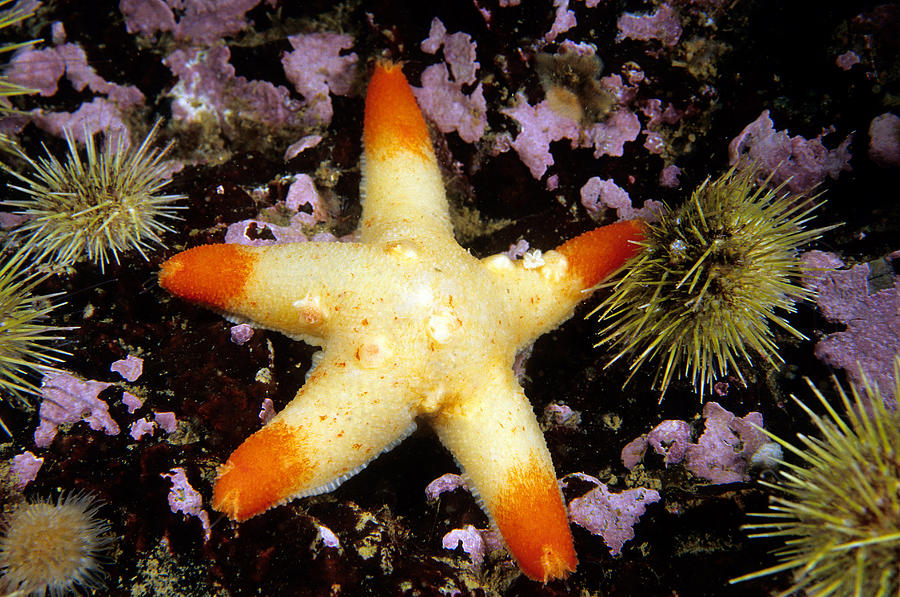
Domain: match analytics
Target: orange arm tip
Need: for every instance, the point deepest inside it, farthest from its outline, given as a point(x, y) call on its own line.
point(597, 253)
point(532, 518)
point(264, 471)
point(211, 275)
point(393, 121)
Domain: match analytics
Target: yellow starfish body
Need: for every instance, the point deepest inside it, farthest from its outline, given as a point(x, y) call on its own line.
point(413, 327)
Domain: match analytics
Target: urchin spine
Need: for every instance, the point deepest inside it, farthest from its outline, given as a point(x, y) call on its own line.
point(712, 277)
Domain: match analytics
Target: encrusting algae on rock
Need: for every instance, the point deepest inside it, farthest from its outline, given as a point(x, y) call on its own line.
point(413, 327)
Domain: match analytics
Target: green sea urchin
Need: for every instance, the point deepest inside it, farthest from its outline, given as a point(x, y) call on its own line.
point(107, 202)
point(25, 339)
point(713, 275)
point(839, 507)
point(8, 17)
point(54, 548)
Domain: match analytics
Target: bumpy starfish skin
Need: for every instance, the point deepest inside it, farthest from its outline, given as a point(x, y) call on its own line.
point(413, 327)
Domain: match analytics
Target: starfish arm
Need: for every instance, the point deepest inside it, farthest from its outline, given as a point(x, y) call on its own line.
point(403, 194)
point(495, 437)
point(542, 297)
point(341, 419)
point(297, 289)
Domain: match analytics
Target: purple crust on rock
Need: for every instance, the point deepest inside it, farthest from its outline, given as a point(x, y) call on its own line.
point(884, 140)
point(800, 163)
point(195, 21)
point(610, 515)
point(724, 451)
point(67, 399)
point(869, 344)
point(663, 25)
point(722, 454)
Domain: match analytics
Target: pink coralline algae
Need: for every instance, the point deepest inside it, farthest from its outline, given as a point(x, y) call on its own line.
point(24, 468)
point(469, 538)
point(724, 453)
point(540, 125)
point(561, 416)
point(246, 232)
point(266, 410)
point(610, 515)
point(96, 116)
point(166, 421)
point(196, 21)
point(884, 140)
point(669, 439)
point(298, 147)
point(459, 51)
point(668, 177)
point(609, 137)
point(474, 542)
point(652, 109)
point(805, 162)
point(42, 69)
point(241, 333)
point(67, 399)
point(563, 20)
point(847, 60)
point(185, 499)
point(327, 537)
point(208, 87)
point(317, 67)
point(663, 24)
point(140, 428)
point(597, 194)
point(517, 250)
point(445, 104)
point(872, 338)
point(302, 193)
point(441, 97)
point(131, 402)
point(448, 482)
point(129, 368)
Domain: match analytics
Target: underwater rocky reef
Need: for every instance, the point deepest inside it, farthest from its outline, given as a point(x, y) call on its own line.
point(548, 119)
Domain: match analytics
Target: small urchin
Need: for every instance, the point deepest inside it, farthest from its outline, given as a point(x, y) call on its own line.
point(54, 548)
point(712, 276)
point(838, 506)
point(106, 202)
point(26, 339)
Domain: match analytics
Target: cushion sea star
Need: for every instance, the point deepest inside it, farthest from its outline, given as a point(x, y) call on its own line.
point(413, 326)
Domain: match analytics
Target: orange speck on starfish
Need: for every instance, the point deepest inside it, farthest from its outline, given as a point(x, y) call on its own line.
point(393, 121)
point(598, 253)
point(260, 473)
point(211, 275)
point(532, 519)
